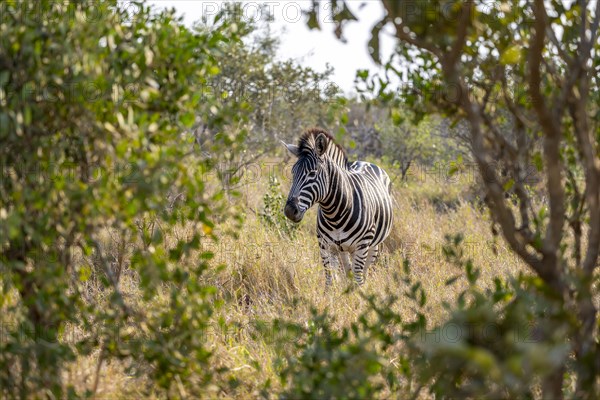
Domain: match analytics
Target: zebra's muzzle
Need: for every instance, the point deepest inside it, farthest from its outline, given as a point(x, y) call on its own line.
point(292, 211)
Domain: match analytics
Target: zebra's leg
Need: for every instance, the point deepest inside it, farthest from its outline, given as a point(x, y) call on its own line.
point(345, 261)
point(334, 264)
point(372, 256)
point(330, 262)
point(359, 258)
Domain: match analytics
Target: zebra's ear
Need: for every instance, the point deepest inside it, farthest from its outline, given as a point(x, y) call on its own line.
point(321, 143)
point(292, 148)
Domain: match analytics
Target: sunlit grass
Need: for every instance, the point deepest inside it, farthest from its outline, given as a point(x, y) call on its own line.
point(262, 275)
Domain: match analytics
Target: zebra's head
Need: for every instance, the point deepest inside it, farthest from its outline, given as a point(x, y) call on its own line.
point(310, 177)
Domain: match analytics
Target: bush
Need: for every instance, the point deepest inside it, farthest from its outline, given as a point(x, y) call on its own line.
point(501, 342)
point(332, 364)
point(94, 107)
point(527, 99)
point(273, 215)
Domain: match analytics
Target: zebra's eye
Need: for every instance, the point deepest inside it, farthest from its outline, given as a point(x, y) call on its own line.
point(312, 174)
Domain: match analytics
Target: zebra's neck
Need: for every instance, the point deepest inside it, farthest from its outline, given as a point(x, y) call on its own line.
point(336, 156)
point(339, 197)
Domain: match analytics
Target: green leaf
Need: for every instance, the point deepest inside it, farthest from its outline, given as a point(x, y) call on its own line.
point(509, 185)
point(472, 272)
point(373, 44)
point(453, 170)
point(362, 74)
point(188, 119)
point(511, 55)
point(313, 20)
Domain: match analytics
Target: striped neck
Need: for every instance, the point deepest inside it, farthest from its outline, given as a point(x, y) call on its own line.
point(336, 156)
point(339, 198)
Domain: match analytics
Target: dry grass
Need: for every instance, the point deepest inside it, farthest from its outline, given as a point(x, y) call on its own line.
point(267, 276)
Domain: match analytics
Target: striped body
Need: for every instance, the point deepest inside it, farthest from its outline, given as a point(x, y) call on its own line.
point(355, 206)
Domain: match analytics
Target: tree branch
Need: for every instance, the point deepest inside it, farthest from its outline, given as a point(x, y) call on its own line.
point(502, 214)
point(550, 124)
point(592, 177)
point(561, 52)
point(403, 32)
point(461, 33)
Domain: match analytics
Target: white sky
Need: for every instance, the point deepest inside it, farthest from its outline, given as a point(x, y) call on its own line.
point(313, 48)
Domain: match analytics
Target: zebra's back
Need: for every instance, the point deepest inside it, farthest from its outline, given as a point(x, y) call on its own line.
point(372, 171)
point(371, 210)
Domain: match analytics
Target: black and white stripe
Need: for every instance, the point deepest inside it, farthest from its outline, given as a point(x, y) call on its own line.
point(355, 206)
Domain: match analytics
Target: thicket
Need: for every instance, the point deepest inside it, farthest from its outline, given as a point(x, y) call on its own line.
point(523, 78)
point(112, 118)
point(95, 102)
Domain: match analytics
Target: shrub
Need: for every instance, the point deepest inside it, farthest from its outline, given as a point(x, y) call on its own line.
point(272, 214)
point(500, 342)
point(95, 103)
point(523, 79)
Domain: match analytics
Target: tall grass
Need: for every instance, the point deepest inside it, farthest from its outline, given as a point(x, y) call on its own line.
point(261, 275)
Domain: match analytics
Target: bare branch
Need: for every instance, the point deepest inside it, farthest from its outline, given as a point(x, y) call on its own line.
point(522, 162)
point(575, 219)
point(502, 214)
point(550, 123)
point(579, 66)
point(577, 103)
point(461, 34)
point(505, 144)
point(592, 177)
point(561, 52)
point(515, 165)
point(512, 107)
point(594, 29)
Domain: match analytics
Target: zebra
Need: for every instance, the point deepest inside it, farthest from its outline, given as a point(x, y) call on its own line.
point(355, 204)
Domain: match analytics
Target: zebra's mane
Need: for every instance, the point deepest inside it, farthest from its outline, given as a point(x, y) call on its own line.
point(306, 144)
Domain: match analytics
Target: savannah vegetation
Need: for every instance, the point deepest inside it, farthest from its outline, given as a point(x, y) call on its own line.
point(143, 247)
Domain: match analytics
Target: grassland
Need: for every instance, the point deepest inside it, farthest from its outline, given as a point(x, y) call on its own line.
point(265, 275)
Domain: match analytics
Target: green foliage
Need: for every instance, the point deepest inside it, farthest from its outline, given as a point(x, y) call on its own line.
point(523, 78)
point(272, 214)
point(99, 171)
point(332, 364)
point(95, 104)
point(496, 342)
point(487, 348)
point(404, 142)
